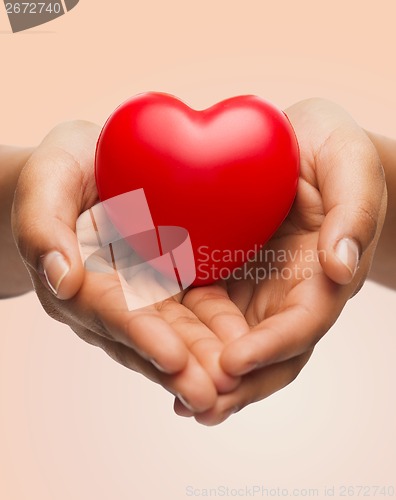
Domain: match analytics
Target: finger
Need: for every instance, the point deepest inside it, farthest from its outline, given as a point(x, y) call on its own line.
point(351, 181)
point(241, 292)
point(208, 351)
point(352, 184)
point(310, 309)
point(162, 333)
point(213, 306)
point(100, 306)
point(55, 186)
point(180, 409)
point(192, 385)
point(255, 386)
point(201, 342)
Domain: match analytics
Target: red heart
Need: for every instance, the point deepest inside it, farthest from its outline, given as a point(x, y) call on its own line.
point(228, 174)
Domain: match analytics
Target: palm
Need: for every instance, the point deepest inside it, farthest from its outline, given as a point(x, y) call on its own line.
point(275, 288)
point(287, 306)
point(205, 340)
point(268, 322)
point(285, 269)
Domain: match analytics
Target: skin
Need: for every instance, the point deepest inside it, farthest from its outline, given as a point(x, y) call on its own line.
point(286, 318)
point(384, 270)
point(15, 279)
point(232, 343)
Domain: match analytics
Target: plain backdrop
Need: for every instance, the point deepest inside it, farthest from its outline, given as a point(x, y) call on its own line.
point(76, 426)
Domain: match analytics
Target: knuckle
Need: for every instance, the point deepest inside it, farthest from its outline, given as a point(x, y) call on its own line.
point(367, 218)
point(25, 234)
point(310, 336)
point(73, 126)
point(165, 306)
point(198, 296)
point(184, 321)
point(318, 103)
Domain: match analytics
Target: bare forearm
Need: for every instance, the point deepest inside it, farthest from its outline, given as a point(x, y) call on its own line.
point(14, 278)
point(384, 265)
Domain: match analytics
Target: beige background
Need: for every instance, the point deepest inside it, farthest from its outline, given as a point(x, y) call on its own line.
point(73, 424)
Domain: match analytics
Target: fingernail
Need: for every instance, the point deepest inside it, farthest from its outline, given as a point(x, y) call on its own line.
point(55, 270)
point(347, 252)
point(157, 365)
point(251, 367)
point(184, 401)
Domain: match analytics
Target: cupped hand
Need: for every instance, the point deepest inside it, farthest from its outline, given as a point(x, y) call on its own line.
point(166, 342)
point(298, 284)
point(260, 325)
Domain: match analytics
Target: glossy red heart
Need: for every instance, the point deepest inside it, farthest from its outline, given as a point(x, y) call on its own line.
point(228, 174)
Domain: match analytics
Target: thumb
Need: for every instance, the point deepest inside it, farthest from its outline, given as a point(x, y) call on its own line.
point(352, 184)
point(56, 185)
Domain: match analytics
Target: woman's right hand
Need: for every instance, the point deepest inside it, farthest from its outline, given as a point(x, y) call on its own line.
point(165, 342)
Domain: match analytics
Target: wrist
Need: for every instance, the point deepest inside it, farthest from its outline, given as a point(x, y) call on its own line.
point(387, 152)
point(15, 279)
point(384, 264)
point(12, 161)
